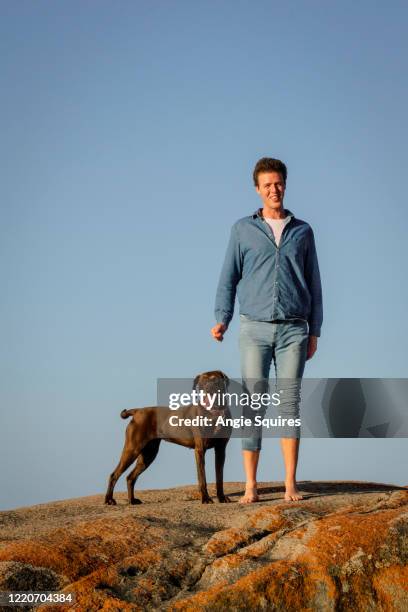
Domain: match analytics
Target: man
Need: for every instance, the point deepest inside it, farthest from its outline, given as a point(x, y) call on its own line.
point(271, 263)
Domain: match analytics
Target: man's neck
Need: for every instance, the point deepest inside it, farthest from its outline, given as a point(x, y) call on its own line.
point(274, 213)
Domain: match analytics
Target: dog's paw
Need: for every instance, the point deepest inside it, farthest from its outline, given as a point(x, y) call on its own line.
point(207, 500)
point(135, 501)
point(110, 502)
point(224, 500)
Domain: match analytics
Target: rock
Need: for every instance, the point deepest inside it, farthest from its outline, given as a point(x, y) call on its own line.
point(343, 547)
point(15, 576)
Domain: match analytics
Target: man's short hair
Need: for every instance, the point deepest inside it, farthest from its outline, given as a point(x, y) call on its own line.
point(269, 164)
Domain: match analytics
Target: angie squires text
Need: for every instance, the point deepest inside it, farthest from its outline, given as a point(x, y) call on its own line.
point(235, 423)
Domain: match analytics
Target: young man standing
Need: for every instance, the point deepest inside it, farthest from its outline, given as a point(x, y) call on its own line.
point(271, 263)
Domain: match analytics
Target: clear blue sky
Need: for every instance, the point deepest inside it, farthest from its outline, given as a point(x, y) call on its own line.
point(129, 131)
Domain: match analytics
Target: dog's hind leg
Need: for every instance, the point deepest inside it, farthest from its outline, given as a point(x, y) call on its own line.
point(129, 455)
point(146, 457)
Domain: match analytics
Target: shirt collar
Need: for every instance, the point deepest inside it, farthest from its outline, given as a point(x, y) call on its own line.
point(258, 213)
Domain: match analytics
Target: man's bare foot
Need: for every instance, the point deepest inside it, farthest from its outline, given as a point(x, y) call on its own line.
point(292, 493)
point(250, 496)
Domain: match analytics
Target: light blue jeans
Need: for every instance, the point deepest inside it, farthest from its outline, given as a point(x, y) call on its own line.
point(284, 343)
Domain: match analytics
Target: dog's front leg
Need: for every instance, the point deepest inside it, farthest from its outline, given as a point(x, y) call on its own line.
point(219, 450)
point(202, 483)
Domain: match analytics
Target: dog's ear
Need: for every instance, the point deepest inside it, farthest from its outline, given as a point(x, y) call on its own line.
point(226, 379)
point(195, 383)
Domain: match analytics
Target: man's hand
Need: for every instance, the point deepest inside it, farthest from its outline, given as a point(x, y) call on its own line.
point(311, 347)
point(218, 331)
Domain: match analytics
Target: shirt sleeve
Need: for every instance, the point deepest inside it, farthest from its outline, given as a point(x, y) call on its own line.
point(229, 279)
point(312, 277)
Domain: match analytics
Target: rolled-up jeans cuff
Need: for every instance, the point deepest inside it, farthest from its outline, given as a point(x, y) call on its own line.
point(251, 444)
point(290, 432)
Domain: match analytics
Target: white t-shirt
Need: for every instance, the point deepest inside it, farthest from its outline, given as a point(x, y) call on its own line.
point(277, 226)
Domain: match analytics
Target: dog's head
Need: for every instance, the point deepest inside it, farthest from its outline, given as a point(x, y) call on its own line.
point(214, 383)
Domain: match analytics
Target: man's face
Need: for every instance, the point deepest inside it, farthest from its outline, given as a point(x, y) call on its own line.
point(271, 188)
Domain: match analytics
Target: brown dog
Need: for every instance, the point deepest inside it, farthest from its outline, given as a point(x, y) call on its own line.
point(150, 425)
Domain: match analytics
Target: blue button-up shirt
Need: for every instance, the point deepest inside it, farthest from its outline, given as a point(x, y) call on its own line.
point(272, 282)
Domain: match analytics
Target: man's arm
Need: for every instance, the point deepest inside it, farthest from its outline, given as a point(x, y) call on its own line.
point(312, 277)
point(227, 286)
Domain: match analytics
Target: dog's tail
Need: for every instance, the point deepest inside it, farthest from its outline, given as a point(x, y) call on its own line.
point(125, 414)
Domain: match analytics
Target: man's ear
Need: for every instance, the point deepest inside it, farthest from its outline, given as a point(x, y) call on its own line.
point(195, 383)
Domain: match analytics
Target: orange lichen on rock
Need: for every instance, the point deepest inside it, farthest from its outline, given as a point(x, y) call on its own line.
point(391, 587)
point(147, 591)
point(343, 548)
point(344, 535)
point(350, 549)
point(94, 592)
point(259, 590)
point(83, 548)
point(228, 540)
point(270, 519)
point(37, 554)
